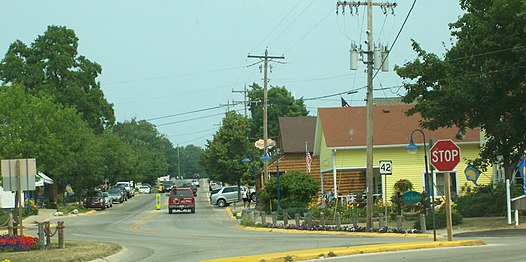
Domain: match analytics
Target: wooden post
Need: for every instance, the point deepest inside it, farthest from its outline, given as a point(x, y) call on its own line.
point(41, 236)
point(19, 194)
point(381, 221)
point(423, 226)
point(354, 221)
point(274, 218)
point(322, 219)
point(47, 229)
point(285, 218)
point(338, 221)
point(448, 207)
point(263, 218)
point(10, 225)
point(60, 228)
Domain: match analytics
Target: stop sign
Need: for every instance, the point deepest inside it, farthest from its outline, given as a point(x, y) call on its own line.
point(445, 155)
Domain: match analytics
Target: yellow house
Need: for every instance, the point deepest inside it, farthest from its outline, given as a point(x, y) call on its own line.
point(340, 143)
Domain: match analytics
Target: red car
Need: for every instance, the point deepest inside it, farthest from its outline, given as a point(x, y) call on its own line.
point(181, 199)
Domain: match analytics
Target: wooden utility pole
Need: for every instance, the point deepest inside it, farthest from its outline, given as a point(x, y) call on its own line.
point(369, 175)
point(266, 59)
point(245, 95)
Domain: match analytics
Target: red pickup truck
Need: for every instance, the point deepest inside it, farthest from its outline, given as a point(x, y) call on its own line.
point(181, 199)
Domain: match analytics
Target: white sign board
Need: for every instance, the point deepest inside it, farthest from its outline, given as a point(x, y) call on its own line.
point(386, 167)
point(27, 169)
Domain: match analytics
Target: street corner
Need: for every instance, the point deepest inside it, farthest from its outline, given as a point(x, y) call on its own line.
point(230, 214)
point(299, 255)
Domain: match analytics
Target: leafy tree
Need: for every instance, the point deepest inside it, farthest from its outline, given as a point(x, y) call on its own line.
point(149, 150)
point(223, 154)
point(297, 189)
point(280, 103)
point(51, 66)
point(53, 134)
point(189, 158)
point(479, 83)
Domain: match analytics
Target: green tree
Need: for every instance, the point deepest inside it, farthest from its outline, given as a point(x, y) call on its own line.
point(280, 103)
point(479, 83)
point(51, 66)
point(190, 161)
point(149, 150)
point(297, 190)
point(55, 135)
point(223, 154)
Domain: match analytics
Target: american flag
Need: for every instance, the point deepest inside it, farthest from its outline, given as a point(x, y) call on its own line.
point(308, 160)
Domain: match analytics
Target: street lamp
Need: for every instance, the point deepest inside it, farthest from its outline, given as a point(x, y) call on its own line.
point(266, 159)
point(411, 149)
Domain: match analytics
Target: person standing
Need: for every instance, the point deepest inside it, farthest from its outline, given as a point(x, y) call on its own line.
point(245, 197)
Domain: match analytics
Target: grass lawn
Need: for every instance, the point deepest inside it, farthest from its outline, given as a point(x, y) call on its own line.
point(74, 251)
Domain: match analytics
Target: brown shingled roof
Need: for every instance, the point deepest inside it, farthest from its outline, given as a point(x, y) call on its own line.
point(295, 131)
point(346, 126)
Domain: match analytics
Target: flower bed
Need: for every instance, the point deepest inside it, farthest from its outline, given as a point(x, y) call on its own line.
point(18, 243)
point(344, 228)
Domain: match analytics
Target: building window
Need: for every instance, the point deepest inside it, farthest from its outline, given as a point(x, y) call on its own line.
point(440, 182)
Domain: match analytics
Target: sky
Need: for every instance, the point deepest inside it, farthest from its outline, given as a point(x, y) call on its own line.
point(178, 64)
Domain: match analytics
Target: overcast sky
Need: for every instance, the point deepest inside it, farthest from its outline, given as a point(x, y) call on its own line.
point(173, 57)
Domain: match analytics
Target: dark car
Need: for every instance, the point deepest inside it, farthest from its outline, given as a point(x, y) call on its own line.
point(95, 199)
point(117, 194)
point(181, 199)
point(190, 185)
point(166, 186)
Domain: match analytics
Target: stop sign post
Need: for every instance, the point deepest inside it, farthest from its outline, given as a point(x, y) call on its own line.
point(445, 156)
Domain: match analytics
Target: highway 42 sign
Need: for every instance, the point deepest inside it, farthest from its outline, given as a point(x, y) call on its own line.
point(445, 155)
point(386, 167)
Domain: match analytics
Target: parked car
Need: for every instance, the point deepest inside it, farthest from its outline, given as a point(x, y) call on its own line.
point(117, 194)
point(191, 186)
point(128, 187)
point(224, 196)
point(94, 199)
point(181, 199)
point(166, 186)
point(145, 189)
point(108, 200)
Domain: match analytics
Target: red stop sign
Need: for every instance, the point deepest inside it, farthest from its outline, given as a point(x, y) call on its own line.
point(445, 155)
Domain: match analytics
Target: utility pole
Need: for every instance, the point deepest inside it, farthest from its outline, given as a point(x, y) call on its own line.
point(245, 95)
point(266, 59)
point(178, 163)
point(369, 175)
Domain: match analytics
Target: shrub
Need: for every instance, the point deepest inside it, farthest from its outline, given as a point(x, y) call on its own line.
point(296, 189)
point(440, 220)
point(484, 200)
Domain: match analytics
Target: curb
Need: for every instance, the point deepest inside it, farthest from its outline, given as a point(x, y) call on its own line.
point(357, 234)
point(119, 256)
point(90, 212)
point(230, 214)
point(299, 255)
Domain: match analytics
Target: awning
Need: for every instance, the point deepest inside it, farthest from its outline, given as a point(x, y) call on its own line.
point(42, 178)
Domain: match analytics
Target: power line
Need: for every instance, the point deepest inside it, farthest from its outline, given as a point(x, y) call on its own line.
point(192, 119)
point(185, 113)
point(171, 76)
point(396, 38)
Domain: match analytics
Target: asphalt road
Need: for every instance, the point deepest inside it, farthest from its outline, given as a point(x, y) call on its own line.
point(148, 234)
